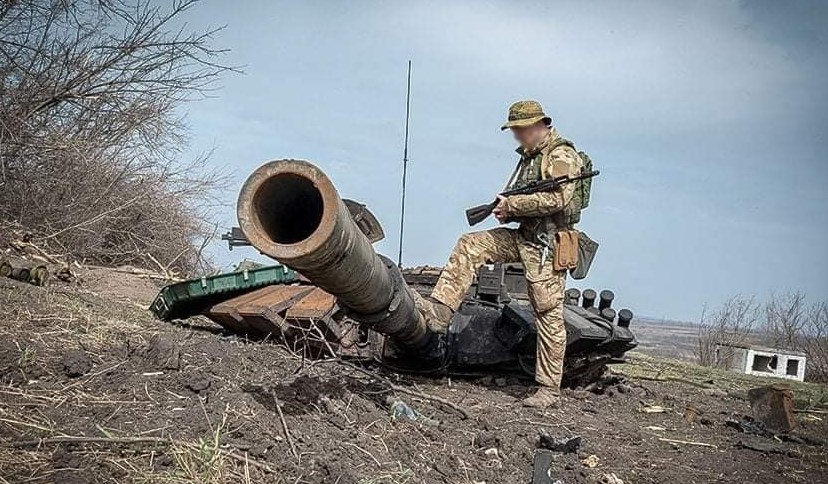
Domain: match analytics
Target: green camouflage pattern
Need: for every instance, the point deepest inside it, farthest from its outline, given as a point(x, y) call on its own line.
point(583, 190)
point(525, 113)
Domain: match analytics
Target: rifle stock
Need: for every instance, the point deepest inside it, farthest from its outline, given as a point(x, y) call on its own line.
point(477, 214)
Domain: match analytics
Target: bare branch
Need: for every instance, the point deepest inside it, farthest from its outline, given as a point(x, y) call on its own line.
point(90, 135)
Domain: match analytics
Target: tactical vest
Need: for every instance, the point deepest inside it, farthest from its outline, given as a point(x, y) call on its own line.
point(531, 169)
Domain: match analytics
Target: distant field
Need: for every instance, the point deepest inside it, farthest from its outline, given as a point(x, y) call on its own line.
point(666, 338)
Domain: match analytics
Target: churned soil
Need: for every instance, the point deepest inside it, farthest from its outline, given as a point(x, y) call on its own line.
point(93, 389)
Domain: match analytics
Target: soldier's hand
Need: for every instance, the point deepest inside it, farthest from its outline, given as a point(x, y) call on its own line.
point(500, 210)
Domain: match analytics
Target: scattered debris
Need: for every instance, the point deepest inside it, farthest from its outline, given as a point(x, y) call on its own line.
point(65, 273)
point(125, 398)
point(591, 461)
point(401, 410)
point(36, 276)
point(748, 425)
point(542, 468)
point(766, 447)
point(21, 274)
point(486, 439)
point(773, 407)
point(285, 428)
point(39, 276)
point(31, 250)
point(653, 409)
point(691, 413)
point(609, 479)
point(563, 445)
point(5, 266)
point(607, 384)
point(687, 442)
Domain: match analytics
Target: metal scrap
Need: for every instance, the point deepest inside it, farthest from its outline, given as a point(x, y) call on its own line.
point(563, 445)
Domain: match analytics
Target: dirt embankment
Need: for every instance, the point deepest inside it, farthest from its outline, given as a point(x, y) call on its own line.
point(95, 390)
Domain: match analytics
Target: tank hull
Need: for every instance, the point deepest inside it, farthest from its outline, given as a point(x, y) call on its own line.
point(350, 301)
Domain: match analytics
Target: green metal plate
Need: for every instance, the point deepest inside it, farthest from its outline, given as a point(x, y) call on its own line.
point(188, 298)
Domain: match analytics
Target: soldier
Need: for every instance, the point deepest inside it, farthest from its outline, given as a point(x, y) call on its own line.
point(543, 154)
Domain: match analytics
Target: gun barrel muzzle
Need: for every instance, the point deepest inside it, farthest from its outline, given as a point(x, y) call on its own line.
point(291, 211)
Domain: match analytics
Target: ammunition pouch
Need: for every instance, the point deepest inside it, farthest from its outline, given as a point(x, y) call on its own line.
point(566, 250)
point(586, 253)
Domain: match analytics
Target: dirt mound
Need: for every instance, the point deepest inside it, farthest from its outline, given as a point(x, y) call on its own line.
point(76, 363)
point(95, 390)
point(162, 353)
point(302, 395)
point(125, 284)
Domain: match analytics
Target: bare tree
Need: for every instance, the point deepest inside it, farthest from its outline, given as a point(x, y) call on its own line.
point(91, 134)
point(785, 320)
point(792, 324)
point(727, 327)
point(815, 343)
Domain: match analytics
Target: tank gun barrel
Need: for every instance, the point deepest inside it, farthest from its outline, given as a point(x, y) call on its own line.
point(290, 211)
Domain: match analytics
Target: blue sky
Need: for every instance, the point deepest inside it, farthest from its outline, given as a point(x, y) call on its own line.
point(707, 120)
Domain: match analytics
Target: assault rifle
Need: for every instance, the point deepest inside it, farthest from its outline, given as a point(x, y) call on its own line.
point(477, 214)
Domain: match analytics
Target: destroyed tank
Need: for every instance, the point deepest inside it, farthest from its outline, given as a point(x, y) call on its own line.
point(335, 296)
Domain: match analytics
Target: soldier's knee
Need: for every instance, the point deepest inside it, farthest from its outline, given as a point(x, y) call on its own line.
point(466, 242)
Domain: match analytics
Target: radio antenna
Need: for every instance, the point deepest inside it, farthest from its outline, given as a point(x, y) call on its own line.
point(405, 164)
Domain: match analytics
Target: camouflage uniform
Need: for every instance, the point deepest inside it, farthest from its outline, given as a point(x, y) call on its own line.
point(539, 212)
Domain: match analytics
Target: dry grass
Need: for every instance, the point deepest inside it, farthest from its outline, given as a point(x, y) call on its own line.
point(404, 476)
point(642, 366)
point(42, 324)
point(33, 451)
point(65, 319)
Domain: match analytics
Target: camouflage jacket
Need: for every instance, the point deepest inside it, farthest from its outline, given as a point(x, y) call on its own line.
point(547, 211)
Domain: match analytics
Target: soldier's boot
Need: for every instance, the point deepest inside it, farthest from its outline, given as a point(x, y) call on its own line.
point(436, 314)
point(544, 397)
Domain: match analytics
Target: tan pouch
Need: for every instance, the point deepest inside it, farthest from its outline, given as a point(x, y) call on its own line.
point(566, 250)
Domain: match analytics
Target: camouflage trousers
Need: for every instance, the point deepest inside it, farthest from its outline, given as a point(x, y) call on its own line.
point(546, 289)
